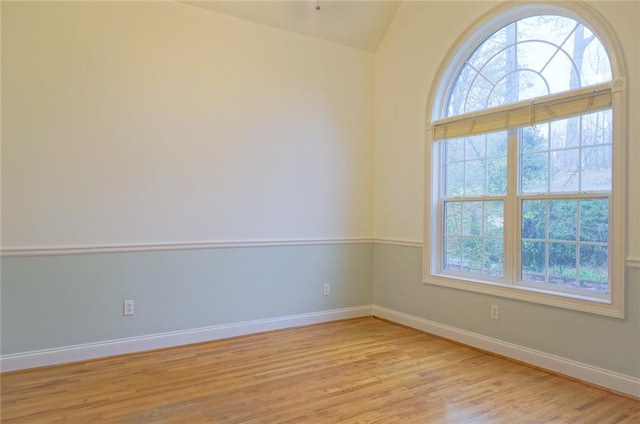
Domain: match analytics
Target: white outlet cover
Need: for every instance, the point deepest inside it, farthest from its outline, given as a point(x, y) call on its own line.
point(128, 307)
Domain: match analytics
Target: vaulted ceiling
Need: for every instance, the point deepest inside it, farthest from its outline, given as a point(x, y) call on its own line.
point(357, 23)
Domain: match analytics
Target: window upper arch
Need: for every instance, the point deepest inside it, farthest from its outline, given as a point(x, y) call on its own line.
point(523, 52)
point(528, 58)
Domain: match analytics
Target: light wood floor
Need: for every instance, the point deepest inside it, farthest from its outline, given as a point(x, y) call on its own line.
point(356, 371)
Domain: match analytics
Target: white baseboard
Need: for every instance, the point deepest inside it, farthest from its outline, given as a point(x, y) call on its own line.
point(88, 351)
point(611, 380)
point(598, 376)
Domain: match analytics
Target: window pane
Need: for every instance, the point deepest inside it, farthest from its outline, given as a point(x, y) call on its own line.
point(505, 91)
point(473, 237)
point(453, 179)
point(533, 261)
point(594, 220)
point(471, 218)
point(562, 219)
point(471, 255)
point(535, 139)
point(564, 133)
point(596, 168)
point(501, 64)
point(452, 218)
point(561, 65)
point(530, 85)
point(533, 54)
point(565, 170)
point(596, 128)
point(474, 172)
point(460, 90)
point(534, 218)
point(493, 218)
point(453, 149)
point(497, 144)
point(534, 177)
point(594, 268)
point(452, 253)
point(493, 258)
point(497, 176)
point(549, 28)
point(562, 264)
point(489, 48)
point(474, 147)
point(475, 165)
point(476, 98)
point(596, 67)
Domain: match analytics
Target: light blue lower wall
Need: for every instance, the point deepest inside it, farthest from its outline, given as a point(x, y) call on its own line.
point(609, 343)
point(56, 301)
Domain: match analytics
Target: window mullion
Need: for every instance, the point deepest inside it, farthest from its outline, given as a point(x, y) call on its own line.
point(511, 212)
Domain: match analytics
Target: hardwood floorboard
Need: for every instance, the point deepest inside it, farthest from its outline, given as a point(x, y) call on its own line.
point(356, 371)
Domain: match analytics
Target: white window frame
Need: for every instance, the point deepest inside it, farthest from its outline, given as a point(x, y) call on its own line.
point(478, 33)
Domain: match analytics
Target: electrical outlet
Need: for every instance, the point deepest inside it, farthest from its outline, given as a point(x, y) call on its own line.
point(127, 307)
point(326, 289)
point(495, 312)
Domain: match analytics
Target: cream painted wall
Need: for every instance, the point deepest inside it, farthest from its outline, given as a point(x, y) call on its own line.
point(154, 122)
point(407, 65)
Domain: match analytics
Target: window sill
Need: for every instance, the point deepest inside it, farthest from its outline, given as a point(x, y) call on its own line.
point(561, 300)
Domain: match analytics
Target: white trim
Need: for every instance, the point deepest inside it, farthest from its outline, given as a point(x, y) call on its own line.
point(87, 351)
point(575, 302)
point(633, 263)
point(398, 242)
point(584, 372)
point(142, 247)
point(151, 247)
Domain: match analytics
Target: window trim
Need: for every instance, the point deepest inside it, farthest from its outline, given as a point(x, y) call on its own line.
point(436, 108)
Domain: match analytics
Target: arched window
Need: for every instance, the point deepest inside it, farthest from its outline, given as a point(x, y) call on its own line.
point(526, 147)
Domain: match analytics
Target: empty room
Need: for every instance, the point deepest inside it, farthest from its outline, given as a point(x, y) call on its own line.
point(323, 211)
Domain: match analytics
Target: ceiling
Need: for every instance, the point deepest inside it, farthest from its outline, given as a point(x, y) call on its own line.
point(356, 23)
